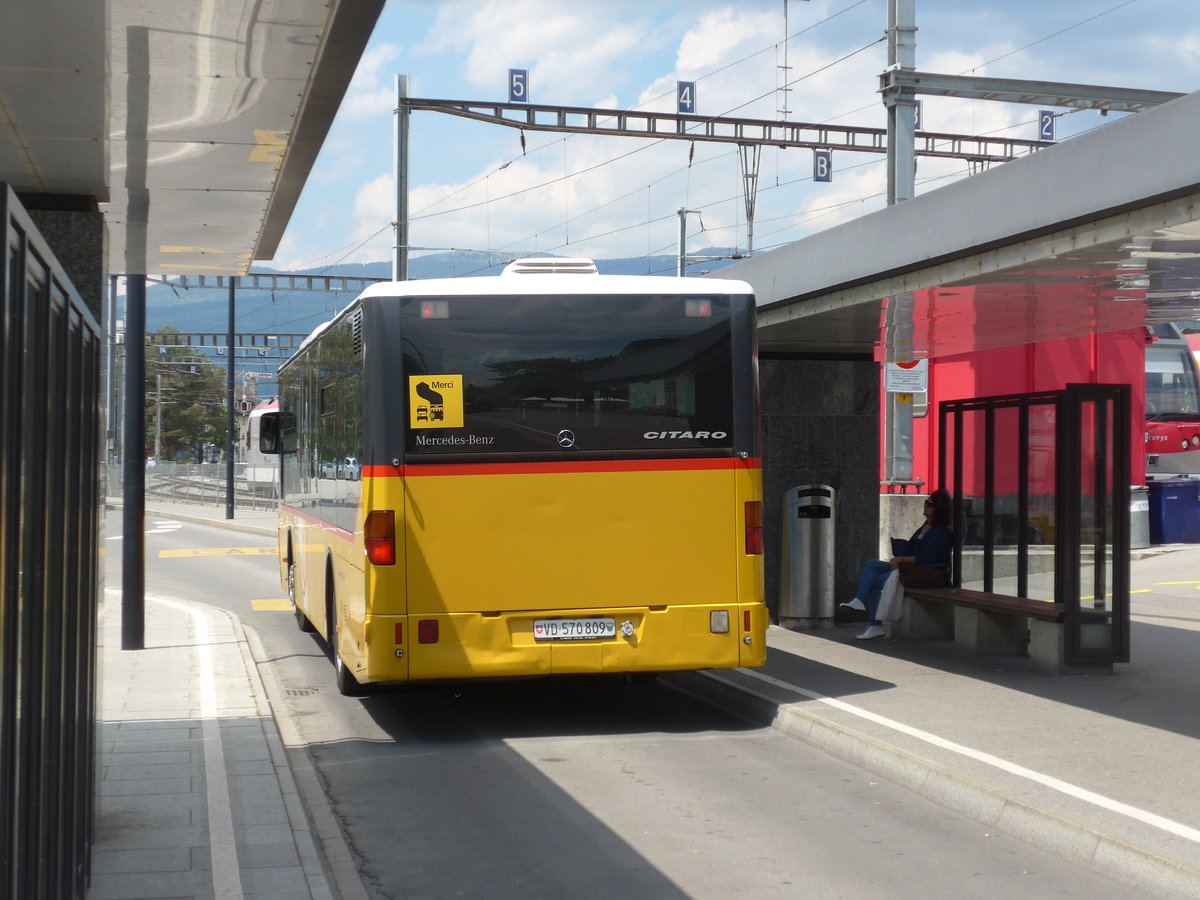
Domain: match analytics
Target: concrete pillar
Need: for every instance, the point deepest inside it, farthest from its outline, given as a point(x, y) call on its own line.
point(74, 228)
point(821, 426)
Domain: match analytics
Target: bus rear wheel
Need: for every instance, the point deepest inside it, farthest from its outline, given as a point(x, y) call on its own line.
point(301, 619)
point(347, 684)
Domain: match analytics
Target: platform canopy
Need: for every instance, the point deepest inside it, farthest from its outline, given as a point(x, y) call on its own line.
point(1099, 233)
point(193, 123)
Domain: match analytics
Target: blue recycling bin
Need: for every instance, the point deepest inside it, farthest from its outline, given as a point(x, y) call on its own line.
point(1175, 511)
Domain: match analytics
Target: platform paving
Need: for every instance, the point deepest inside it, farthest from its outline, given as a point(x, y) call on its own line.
point(197, 796)
point(198, 799)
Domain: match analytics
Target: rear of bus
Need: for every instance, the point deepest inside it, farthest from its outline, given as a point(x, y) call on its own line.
point(571, 464)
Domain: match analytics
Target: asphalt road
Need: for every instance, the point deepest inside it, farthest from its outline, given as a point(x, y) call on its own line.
point(589, 787)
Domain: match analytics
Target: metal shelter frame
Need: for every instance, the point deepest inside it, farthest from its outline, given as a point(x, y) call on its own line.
point(1088, 513)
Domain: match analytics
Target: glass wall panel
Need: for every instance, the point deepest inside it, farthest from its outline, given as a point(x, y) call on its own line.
point(1042, 460)
point(1008, 489)
point(1095, 626)
point(972, 490)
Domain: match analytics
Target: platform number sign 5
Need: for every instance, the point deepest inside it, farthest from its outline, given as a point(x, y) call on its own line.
point(518, 85)
point(685, 97)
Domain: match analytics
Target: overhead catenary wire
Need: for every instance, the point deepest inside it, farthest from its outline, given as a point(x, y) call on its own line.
point(569, 222)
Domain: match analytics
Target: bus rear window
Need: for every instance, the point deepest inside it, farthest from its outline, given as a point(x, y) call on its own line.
point(505, 374)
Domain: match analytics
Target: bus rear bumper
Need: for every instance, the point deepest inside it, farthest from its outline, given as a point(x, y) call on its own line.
point(475, 645)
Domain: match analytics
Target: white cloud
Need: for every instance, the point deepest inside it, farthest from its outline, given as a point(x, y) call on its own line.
point(624, 197)
point(722, 36)
point(566, 54)
point(372, 90)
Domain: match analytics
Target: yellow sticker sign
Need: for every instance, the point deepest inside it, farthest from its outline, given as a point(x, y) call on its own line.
point(435, 401)
point(904, 398)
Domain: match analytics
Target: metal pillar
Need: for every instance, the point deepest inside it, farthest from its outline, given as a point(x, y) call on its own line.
point(229, 375)
point(901, 104)
point(682, 241)
point(157, 417)
point(902, 177)
point(400, 252)
point(749, 155)
point(898, 338)
point(111, 438)
point(133, 541)
point(683, 257)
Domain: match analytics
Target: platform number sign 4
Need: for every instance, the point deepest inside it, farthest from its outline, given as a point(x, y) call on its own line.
point(685, 97)
point(518, 85)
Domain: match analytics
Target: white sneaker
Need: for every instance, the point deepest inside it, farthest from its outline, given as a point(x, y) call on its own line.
point(854, 604)
point(872, 632)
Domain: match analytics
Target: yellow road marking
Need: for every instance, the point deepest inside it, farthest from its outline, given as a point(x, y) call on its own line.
point(284, 605)
point(219, 551)
point(1135, 591)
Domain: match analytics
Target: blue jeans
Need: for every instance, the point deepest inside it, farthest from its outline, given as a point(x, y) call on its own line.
point(874, 574)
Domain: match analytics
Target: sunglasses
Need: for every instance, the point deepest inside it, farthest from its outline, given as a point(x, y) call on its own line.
point(929, 503)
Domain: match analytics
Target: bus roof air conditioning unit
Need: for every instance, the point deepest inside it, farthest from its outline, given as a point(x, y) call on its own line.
point(551, 266)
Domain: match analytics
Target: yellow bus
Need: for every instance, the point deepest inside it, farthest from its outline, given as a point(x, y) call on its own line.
point(541, 472)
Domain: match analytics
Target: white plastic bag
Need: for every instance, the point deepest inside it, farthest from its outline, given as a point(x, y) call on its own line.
point(891, 599)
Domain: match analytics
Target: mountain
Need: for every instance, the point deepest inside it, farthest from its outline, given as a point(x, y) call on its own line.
point(205, 310)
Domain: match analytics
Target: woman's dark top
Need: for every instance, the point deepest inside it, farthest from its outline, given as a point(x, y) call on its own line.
point(933, 547)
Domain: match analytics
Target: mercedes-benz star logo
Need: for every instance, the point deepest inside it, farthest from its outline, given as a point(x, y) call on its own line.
point(566, 439)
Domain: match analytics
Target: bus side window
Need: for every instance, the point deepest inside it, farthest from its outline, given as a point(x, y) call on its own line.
point(287, 432)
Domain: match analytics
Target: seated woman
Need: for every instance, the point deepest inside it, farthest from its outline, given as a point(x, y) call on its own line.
point(928, 565)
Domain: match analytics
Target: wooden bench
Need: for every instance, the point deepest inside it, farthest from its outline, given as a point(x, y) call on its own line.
point(991, 624)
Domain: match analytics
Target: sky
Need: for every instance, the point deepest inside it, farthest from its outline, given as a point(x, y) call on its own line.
point(473, 185)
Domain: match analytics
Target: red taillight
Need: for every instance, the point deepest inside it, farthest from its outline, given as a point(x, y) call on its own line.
point(399, 633)
point(427, 631)
point(754, 527)
point(745, 622)
point(379, 534)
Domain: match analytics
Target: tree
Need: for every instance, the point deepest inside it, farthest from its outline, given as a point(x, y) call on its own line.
point(192, 399)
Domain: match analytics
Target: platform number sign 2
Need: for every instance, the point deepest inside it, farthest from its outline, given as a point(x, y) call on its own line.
point(685, 97)
point(518, 85)
point(1046, 124)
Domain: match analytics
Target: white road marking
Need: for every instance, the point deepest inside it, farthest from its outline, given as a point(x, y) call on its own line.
point(227, 880)
point(161, 526)
point(1065, 787)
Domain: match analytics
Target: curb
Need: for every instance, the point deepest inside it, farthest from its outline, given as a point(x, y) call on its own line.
point(311, 858)
point(329, 844)
point(1102, 853)
point(227, 524)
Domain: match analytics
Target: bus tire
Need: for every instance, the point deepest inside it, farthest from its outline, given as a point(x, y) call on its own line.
point(347, 684)
point(301, 619)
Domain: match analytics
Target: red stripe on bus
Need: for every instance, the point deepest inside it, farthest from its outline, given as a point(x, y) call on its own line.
point(542, 468)
point(325, 526)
